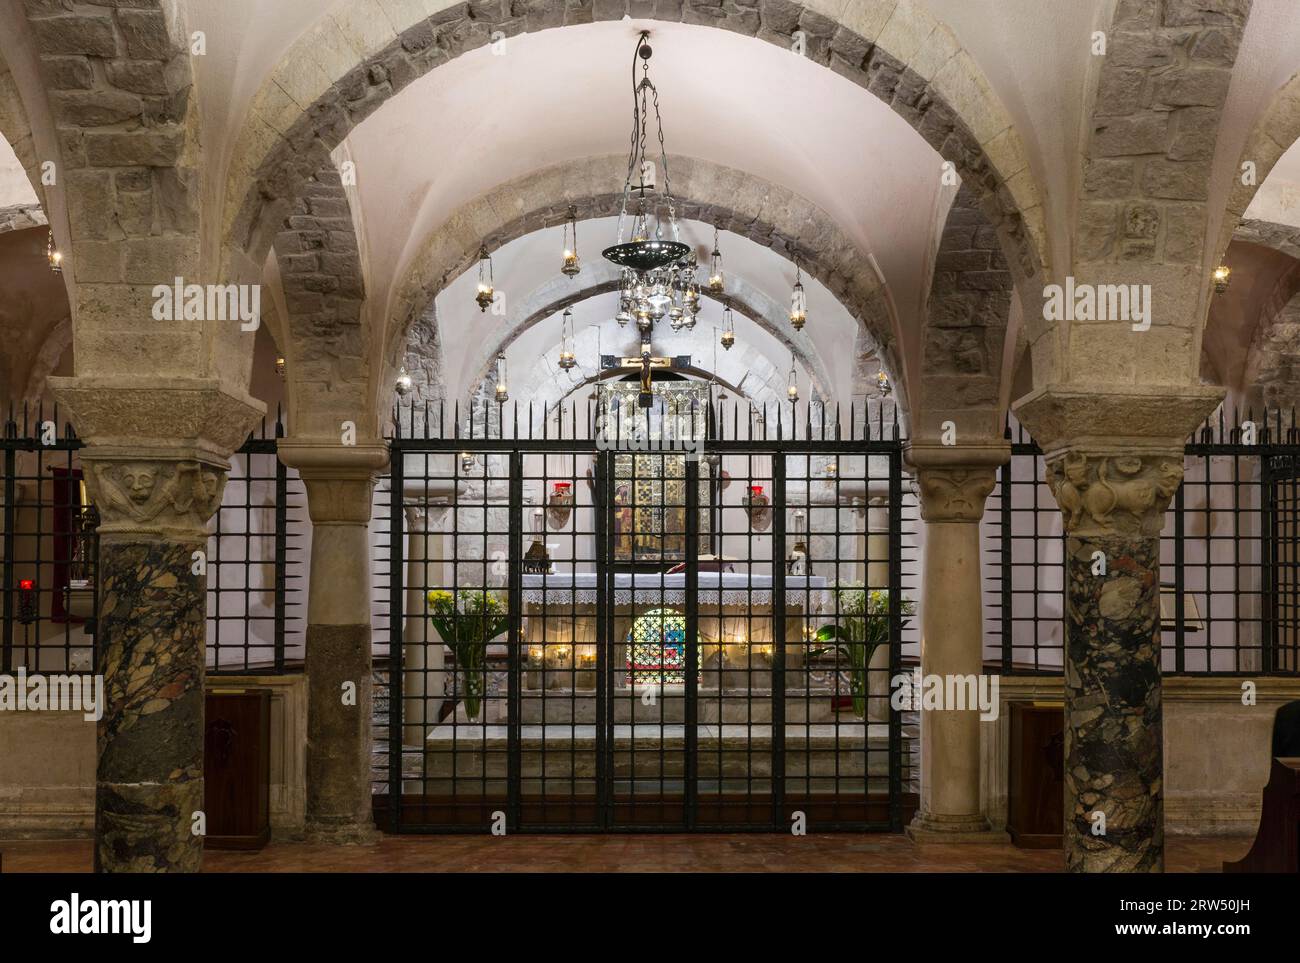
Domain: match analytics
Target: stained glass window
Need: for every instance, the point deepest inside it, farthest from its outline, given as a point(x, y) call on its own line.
point(656, 648)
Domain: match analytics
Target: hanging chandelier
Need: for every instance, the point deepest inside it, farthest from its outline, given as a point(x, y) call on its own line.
point(486, 292)
point(659, 274)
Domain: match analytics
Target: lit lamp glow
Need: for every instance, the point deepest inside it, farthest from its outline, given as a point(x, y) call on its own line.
point(728, 329)
point(54, 255)
point(798, 302)
point(567, 359)
point(1222, 278)
point(572, 264)
point(792, 384)
point(717, 281)
point(485, 290)
point(403, 384)
point(502, 393)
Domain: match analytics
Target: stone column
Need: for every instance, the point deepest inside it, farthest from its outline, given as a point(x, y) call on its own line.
point(1113, 486)
point(954, 482)
point(155, 465)
point(423, 675)
point(340, 485)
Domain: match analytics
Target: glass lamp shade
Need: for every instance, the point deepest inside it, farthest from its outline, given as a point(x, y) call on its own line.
point(646, 255)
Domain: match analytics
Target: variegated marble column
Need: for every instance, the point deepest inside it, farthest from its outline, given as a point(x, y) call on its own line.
point(340, 485)
point(1114, 505)
point(155, 467)
point(1114, 460)
point(954, 482)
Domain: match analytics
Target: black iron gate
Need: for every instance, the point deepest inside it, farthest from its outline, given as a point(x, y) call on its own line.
point(588, 635)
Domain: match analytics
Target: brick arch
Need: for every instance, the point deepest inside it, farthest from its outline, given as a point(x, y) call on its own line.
point(897, 51)
point(1143, 213)
point(965, 326)
point(710, 193)
point(602, 278)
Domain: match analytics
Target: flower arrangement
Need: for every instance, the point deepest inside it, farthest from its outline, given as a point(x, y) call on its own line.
point(467, 620)
point(863, 625)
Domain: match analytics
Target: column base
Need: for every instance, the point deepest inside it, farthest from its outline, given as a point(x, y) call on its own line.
point(347, 833)
point(953, 829)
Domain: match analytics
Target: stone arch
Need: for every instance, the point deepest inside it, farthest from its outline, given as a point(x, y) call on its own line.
point(322, 280)
point(965, 326)
point(1272, 136)
point(47, 359)
point(352, 61)
point(1273, 360)
point(602, 278)
point(1280, 237)
point(746, 205)
point(121, 83)
point(16, 128)
point(1144, 211)
point(19, 217)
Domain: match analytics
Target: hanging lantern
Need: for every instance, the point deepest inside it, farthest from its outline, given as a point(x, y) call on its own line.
point(403, 384)
point(798, 303)
point(485, 290)
point(54, 255)
point(716, 280)
point(792, 384)
point(883, 387)
point(728, 329)
point(280, 365)
point(572, 265)
point(502, 393)
point(1222, 278)
point(567, 360)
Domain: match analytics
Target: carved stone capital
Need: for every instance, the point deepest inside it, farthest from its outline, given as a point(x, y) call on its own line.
point(340, 479)
point(954, 480)
point(955, 494)
point(153, 496)
point(1114, 492)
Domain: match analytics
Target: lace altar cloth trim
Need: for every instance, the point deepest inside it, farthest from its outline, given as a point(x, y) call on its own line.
point(651, 589)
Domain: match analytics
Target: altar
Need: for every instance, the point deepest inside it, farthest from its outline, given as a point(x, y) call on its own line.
point(735, 628)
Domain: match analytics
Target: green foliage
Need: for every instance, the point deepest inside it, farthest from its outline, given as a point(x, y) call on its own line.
point(466, 621)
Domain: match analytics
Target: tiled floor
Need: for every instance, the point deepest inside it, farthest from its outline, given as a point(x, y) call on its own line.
point(624, 853)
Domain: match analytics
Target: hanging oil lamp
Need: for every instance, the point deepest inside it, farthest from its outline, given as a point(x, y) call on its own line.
point(798, 302)
point(403, 384)
point(792, 384)
point(485, 290)
point(716, 280)
point(572, 265)
point(728, 329)
point(502, 393)
point(1222, 278)
point(54, 255)
point(567, 360)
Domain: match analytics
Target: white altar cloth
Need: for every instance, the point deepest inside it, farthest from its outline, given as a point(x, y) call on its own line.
point(652, 588)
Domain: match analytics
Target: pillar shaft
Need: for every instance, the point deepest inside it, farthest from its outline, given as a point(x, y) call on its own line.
point(155, 466)
point(1114, 506)
point(340, 484)
point(954, 484)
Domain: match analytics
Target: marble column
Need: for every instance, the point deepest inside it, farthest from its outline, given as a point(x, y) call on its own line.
point(954, 482)
point(155, 495)
point(1114, 504)
point(340, 485)
point(1114, 460)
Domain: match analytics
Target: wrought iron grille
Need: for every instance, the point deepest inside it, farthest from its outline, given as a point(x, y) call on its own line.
point(644, 618)
point(50, 546)
point(1230, 592)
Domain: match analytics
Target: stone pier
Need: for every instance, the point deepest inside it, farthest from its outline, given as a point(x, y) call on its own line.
point(340, 484)
point(1113, 486)
point(954, 483)
point(155, 495)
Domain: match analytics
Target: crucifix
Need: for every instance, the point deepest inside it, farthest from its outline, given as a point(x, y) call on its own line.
point(645, 364)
